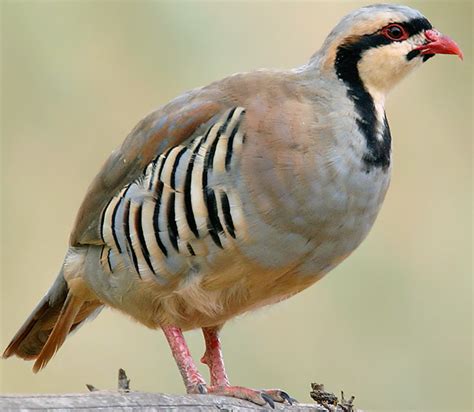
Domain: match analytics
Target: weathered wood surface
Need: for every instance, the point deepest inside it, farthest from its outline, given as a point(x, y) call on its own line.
point(138, 401)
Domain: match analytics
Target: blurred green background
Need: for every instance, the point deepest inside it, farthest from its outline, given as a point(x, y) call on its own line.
point(392, 324)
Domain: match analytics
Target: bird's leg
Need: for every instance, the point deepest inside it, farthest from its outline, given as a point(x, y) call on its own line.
point(213, 357)
point(193, 380)
point(219, 381)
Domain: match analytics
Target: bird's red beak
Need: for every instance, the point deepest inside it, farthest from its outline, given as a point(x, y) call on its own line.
point(438, 43)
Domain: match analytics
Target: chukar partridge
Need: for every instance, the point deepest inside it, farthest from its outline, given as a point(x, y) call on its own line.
point(237, 195)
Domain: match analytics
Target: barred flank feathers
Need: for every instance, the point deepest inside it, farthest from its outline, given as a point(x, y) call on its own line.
point(176, 207)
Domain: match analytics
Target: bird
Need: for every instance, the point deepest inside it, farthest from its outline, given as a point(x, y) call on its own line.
point(237, 195)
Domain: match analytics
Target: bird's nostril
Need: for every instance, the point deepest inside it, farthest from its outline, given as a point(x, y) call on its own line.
point(432, 35)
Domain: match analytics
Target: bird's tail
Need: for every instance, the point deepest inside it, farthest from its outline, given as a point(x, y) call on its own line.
point(46, 329)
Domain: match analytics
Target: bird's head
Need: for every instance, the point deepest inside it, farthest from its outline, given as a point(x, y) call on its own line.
point(380, 44)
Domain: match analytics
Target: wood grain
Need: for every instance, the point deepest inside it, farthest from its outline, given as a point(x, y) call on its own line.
point(137, 401)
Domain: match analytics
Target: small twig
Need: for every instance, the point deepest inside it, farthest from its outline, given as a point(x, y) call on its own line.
point(347, 406)
point(91, 388)
point(123, 381)
point(329, 401)
point(320, 395)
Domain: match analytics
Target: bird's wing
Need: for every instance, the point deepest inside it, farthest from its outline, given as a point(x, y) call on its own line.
point(164, 128)
point(182, 208)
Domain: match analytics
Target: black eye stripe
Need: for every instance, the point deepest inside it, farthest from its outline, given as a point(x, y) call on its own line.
point(412, 27)
point(368, 41)
point(416, 26)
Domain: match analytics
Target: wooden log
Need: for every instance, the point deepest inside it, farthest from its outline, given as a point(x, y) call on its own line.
point(139, 401)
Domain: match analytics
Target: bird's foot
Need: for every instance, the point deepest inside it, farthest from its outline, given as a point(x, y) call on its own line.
point(259, 397)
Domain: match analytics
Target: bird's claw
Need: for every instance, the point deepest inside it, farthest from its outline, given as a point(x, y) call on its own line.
point(279, 396)
point(197, 388)
point(259, 397)
point(201, 388)
point(290, 399)
point(287, 398)
point(268, 399)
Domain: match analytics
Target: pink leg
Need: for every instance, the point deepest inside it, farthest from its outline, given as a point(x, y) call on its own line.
point(213, 357)
point(193, 380)
point(219, 381)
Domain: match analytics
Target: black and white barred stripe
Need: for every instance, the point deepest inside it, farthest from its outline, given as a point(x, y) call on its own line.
point(184, 203)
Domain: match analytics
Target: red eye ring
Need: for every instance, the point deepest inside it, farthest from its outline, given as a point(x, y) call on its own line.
point(395, 32)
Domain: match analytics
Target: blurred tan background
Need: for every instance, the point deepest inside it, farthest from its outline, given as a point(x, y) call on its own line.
point(392, 324)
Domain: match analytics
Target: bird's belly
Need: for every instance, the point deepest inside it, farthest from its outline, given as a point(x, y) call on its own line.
point(279, 258)
point(274, 263)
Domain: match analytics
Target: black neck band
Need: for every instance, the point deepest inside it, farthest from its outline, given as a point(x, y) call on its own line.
point(347, 59)
point(346, 65)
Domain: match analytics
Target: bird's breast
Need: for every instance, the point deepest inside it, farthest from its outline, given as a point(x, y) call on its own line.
point(312, 205)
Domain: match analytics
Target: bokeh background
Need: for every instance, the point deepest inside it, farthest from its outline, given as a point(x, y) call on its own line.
point(392, 324)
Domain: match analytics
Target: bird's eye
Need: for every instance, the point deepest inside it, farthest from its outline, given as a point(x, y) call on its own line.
point(394, 32)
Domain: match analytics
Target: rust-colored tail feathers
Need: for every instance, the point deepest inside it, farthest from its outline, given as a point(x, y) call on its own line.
point(46, 329)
